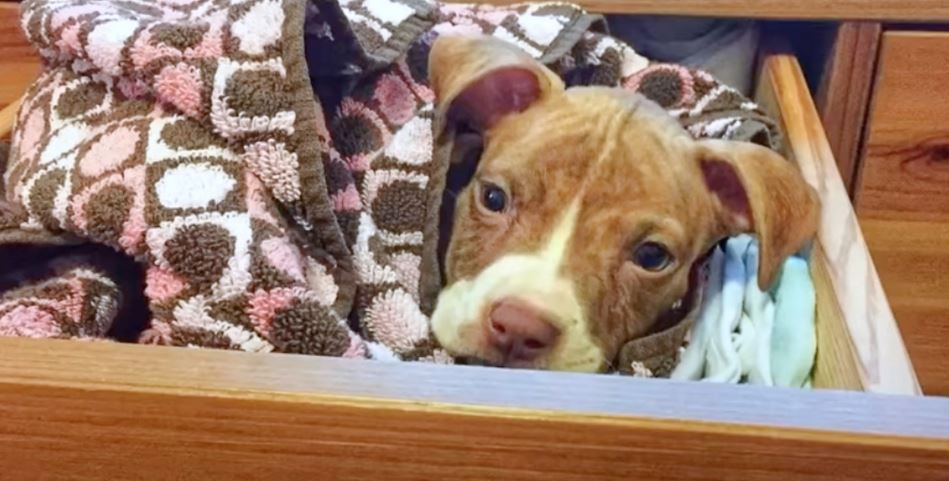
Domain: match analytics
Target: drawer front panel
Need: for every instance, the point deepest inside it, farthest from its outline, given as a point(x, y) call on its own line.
point(903, 195)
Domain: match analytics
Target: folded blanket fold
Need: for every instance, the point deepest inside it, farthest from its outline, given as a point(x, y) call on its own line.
point(187, 136)
point(77, 303)
point(746, 335)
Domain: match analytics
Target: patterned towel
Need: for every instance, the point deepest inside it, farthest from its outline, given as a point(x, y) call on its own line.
point(186, 136)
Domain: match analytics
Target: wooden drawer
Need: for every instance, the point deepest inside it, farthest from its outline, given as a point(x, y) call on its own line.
point(19, 64)
point(101, 411)
point(902, 196)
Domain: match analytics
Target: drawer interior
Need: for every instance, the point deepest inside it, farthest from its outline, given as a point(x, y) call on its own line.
point(859, 343)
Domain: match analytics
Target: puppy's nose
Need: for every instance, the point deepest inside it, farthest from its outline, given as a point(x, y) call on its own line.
point(519, 331)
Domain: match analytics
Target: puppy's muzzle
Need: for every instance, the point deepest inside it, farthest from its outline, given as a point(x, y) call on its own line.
point(520, 333)
point(517, 312)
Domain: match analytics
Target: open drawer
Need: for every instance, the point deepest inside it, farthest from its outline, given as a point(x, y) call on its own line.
point(859, 343)
point(101, 411)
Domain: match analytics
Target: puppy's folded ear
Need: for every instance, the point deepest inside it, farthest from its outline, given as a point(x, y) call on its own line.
point(757, 191)
point(479, 79)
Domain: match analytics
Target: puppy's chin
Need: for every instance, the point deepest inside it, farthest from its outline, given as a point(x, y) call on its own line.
point(589, 365)
point(481, 361)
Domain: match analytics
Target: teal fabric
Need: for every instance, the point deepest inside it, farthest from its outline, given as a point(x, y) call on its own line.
point(794, 337)
point(744, 335)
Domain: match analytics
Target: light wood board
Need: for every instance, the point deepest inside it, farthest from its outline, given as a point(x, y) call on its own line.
point(884, 10)
point(91, 411)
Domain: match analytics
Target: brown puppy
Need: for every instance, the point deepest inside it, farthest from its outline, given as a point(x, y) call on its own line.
point(587, 212)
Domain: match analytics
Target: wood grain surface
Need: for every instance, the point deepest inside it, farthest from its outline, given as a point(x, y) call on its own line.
point(844, 93)
point(902, 197)
point(883, 361)
point(13, 43)
point(837, 364)
point(888, 10)
point(7, 116)
point(19, 63)
point(913, 261)
point(93, 411)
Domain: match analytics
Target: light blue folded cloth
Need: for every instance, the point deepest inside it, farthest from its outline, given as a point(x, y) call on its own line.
point(746, 335)
point(794, 337)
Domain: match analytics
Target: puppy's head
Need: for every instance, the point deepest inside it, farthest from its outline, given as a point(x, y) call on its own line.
point(587, 211)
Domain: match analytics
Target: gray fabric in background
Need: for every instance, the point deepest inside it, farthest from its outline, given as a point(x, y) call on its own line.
point(723, 47)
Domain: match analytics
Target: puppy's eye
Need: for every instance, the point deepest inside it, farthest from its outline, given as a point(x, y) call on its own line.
point(493, 198)
point(652, 256)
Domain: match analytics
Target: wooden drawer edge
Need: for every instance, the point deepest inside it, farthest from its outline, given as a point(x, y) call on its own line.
point(886, 10)
point(125, 409)
point(881, 358)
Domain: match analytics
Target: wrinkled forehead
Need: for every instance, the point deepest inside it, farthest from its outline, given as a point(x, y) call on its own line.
point(592, 138)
